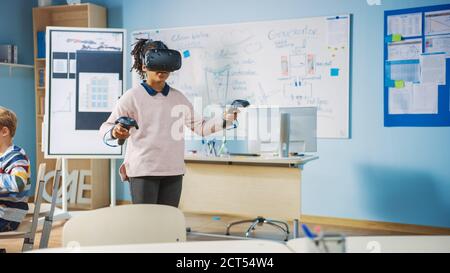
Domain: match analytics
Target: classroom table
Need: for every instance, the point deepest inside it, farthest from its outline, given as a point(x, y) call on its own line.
point(229, 246)
point(381, 244)
point(246, 186)
point(357, 244)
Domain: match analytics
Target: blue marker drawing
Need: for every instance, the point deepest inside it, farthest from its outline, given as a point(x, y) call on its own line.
point(308, 233)
point(187, 54)
point(334, 72)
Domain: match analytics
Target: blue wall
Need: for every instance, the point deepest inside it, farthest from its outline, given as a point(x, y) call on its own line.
point(384, 174)
point(17, 90)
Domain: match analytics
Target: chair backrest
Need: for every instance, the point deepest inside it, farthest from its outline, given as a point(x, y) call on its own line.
point(129, 224)
point(48, 223)
point(40, 184)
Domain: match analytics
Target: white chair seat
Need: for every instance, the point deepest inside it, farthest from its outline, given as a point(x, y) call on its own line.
point(129, 224)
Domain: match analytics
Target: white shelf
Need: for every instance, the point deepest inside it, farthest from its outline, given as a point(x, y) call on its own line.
point(11, 66)
point(17, 65)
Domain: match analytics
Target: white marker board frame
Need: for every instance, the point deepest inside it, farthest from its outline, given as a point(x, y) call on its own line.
point(64, 136)
point(335, 125)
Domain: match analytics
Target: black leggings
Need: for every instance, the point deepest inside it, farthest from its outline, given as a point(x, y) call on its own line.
point(162, 190)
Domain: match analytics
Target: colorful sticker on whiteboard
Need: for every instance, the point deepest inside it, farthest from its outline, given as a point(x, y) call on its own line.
point(334, 72)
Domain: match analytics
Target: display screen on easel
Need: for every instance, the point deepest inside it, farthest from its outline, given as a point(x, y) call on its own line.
point(85, 78)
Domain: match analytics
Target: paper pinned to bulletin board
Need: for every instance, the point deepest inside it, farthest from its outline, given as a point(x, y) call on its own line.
point(417, 67)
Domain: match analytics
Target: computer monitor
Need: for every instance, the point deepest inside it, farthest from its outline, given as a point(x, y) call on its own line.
point(262, 127)
point(303, 129)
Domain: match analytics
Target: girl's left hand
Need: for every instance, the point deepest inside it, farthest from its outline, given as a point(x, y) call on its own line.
point(231, 114)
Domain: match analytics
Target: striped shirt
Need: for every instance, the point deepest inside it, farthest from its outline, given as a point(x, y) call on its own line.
point(14, 184)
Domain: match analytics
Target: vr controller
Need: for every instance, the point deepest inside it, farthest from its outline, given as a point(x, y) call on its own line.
point(126, 123)
point(239, 104)
point(166, 60)
point(236, 104)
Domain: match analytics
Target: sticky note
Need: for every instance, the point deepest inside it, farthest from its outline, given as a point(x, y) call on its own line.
point(396, 37)
point(399, 84)
point(187, 54)
point(334, 72)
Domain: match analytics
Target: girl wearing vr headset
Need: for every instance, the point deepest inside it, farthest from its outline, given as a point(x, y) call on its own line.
point(154, 160)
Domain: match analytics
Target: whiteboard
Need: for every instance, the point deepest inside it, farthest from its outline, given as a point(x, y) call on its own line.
point(300, 62)
point(85, 77)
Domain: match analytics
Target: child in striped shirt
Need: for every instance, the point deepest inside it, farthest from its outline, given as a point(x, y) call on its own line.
point(14, 175)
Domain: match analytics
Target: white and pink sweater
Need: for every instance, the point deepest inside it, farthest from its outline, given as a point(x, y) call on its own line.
point(154, 149)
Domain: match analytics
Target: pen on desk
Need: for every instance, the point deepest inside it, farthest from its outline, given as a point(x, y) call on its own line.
point(308, 232)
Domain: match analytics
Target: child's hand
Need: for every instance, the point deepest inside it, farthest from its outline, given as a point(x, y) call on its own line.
point(119, 132)
point(231, 114)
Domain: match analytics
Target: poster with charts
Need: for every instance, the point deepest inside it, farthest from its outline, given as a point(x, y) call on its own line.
point(437, 22)
point(98, 92)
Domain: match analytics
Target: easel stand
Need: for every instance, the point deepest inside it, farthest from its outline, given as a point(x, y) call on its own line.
point(62, 169)
point(113, 182)
point(49, 218)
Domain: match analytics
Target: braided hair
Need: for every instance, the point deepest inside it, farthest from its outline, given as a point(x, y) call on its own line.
point(140, 48)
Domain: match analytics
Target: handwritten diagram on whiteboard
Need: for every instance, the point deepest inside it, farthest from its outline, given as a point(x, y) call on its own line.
point(300, 62)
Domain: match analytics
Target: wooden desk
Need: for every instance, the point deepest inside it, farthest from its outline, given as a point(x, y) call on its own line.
point(244, 186)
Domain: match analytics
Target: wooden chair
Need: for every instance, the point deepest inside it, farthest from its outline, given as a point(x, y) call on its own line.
point(27, 229)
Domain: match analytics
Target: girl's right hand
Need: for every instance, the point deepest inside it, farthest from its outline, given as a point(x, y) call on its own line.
point(119, 132)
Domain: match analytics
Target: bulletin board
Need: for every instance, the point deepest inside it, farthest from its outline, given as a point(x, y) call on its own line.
point(417, 67)
point(85, 79)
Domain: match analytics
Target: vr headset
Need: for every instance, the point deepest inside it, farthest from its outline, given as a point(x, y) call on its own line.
point(161, 58)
